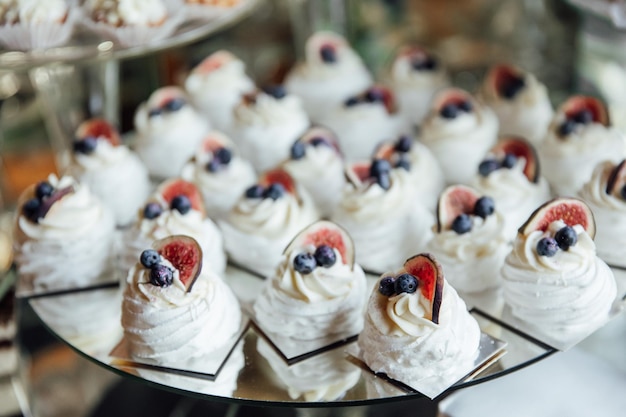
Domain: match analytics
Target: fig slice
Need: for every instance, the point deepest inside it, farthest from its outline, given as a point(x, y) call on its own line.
point(617, 179)
point(419, 58)
point(380, 94)
point(455, 200)
point(317, 135)
point(214, 141)
point(504, 81)
point(452, 97)
point(214, 61)
point(185, 254)
point(521, 148)
point(174, 187)
point(358, 173)
point(325, 232)
point(278, 176)
point(571, 211)
point(429, 275)
point(99, 129)
point(164, 95)
point(43, 205)
point(578, 104)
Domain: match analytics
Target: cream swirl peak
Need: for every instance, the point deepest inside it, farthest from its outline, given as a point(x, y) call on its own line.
point(416, 326)
point(459, 131)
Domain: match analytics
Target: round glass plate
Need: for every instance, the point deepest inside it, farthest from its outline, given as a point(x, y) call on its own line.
point(85, 45)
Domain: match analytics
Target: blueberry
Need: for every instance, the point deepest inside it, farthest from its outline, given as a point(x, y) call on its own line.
point(379, 166)
point(328, 54)
point(161, 276)
point(152, 211)
point(403, 163)
point(181, 203)
point(255, 191)
point(487, 166)
point(423, 64)
point(304, 263)
point(622, 192)
point(31, 209)
point(213, 165)
point(484, 207)
point(298, 150)
point(462, 224)
point(384, 180)
point(224, 155)
point(317, 141)
point(43, 189)
point(149, 258)
point(276, 91)
point(352, 101)
point(566, 237)
point(514, 86)
point(372, 96)
point(406, 283)
point(387, 286)
point(403, 144)
point(274, 191)
point(325, 256)
point(449, 111)
point(174, 104)
point(86, 145)
point(567, 127)
point(465, 106)
point(547, 247)
point(509, 160)
point(155, 112)
point(583, 117)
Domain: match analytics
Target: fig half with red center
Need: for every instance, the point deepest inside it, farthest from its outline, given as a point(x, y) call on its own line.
point(455, 201)
point(214, 61)
point(172, 190)
point(616, 183)
point(520, 148)
point(326, 233)
point(429, 275)
point(278, 176)
point(185, 254)
point(571, 211)
point(419, 58)
point(91, 131)
point(505, 81)
point(582, 110)
point(452, 102)
point(380, 94)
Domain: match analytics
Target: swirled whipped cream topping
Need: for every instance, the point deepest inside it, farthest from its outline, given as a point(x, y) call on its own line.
point(321, 173)
point(459, 144)
point(567, 293)
point(166, 142)
point(610, 215)
point(473, 260)
point(515, 196)
point(128, 12)
point(257, 231)
point(325, 302)
point(399, 341)
point(117, 176)
point(42, 11)
point(69, 247)
point(265, 128)
point(387, 226)
point(568, 162)
point(527, 114)
point(168, 325)
point(218, 91)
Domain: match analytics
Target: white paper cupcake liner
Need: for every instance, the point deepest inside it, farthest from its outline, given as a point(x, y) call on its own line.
point(129, 36)
point(39, 35)
point(206, 13)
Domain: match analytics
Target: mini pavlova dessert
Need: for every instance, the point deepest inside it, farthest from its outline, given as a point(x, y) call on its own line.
point(380, 212)
point(176, 208)
point(417, 329)
point(363, 121)
point(317, 291)
point(415, 76)
point(112, 171)
point(605, 193)
point(265, 125)
point(331, 73)
point(316, 163)
point(174, 310)
point(469, 239)
point(415, 158)
point(220, 174)
point(459, 131)
point(520, 102)
point(216, 86)
point(510, 175)
point(579, 137)
point(169, 130)
point(552, 279)
point(267, 217)
point(63, 237)
point(36, 24)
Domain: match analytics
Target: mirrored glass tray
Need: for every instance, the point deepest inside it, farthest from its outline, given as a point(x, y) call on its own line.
point(89, 322)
